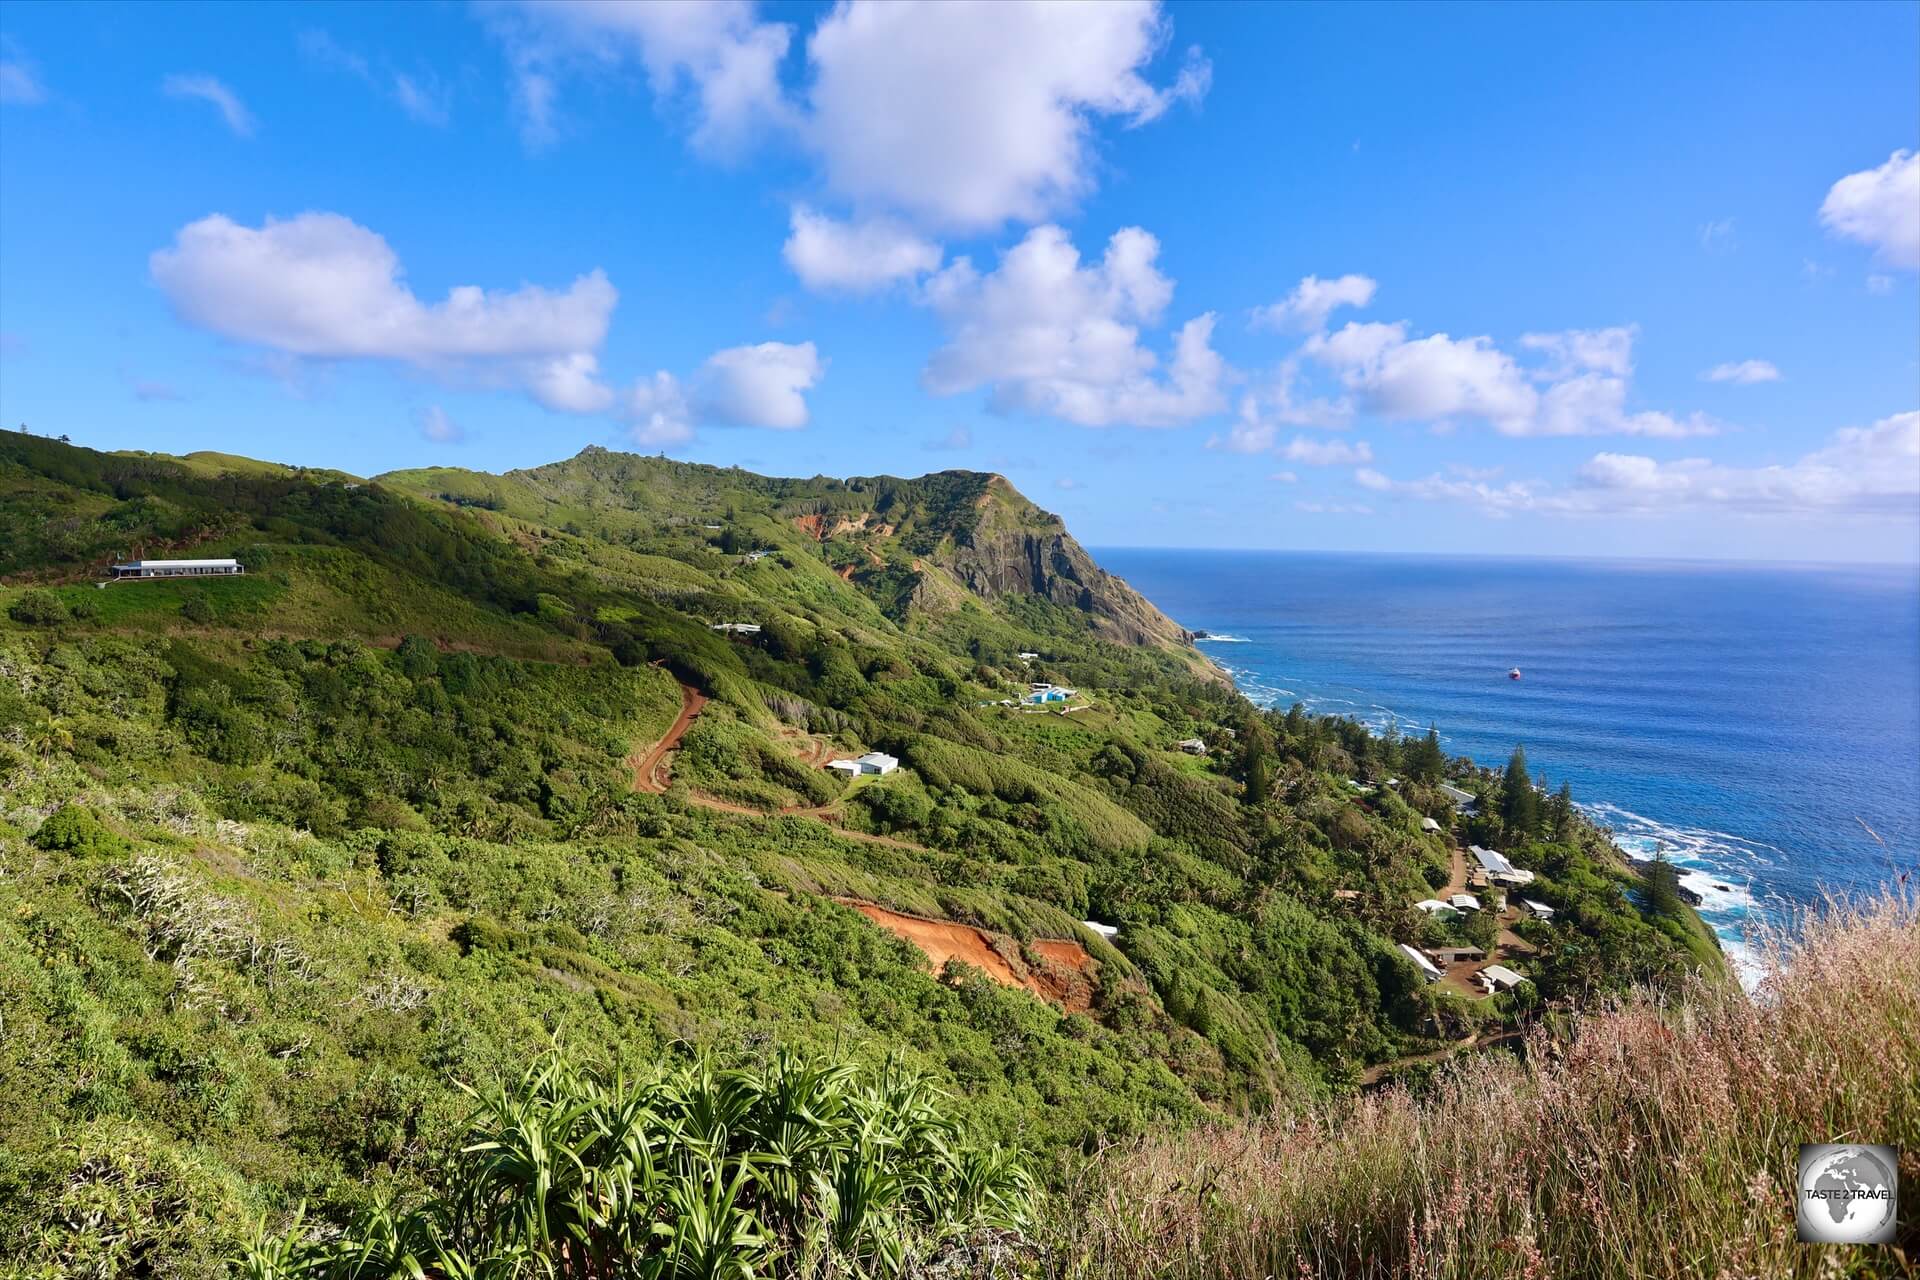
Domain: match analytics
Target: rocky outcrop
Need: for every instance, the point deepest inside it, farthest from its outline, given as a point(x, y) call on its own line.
point(1016, 549)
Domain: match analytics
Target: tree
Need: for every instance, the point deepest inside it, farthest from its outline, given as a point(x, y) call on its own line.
point(1560, 813)
point(1661, 881)
point(1425, 760)
point(196, 608)
point(38, 609)
point(1519, 802)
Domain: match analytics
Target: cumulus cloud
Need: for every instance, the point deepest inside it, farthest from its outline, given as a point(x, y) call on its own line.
point(752, 386)
point(321, 285)
point(1327, 453)
point(717, 54)
point(1743, 372)
point(1880, 208)
point(19, 79)
point(208, 89)
point(1871, 471)
point(855, 257)
point(965, 115)
point(1581, 389)
point(1054, 337)
point(1368, 478)
point(1306, 309)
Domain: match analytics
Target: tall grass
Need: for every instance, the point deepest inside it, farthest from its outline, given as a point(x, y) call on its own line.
point(1655, 1139)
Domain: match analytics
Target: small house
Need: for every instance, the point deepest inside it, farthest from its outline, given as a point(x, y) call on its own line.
point(1497, 867)
point(1538, 910)
point(1464, 902)
point(873, 763)
point(1027, 655)
point(177, 568)
point(1107, 931)
point(1497, 977)
point(1433, 906)
point(1428, 969)
point(1462, 800)
point(1453, 955)
point(737, 628)
point(1192, 746)
point(1428, 824)
point(1049, 693)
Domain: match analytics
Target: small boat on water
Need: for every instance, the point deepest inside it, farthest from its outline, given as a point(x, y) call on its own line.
point(1514, 674)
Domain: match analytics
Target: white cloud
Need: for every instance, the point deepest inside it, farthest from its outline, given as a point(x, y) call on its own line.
point(1053, 337)
point(751, 386)
point(1880, 208)
point(1877, 283)
point(321, 286)
point(757, 386)
point(1285, 477)
point(961, 437)
point(1861, 472)
point(1306, 309)
point(1438, 378)
point(19, 79)
point(716, 51)
point(967, 115)
point(1608, 351)
point(208, 89)
point(570, 383)
point(1716, 236)
point(436, 426)
point(1327, 453)
point(856, 257)
point(1066, 482)
point(1368, 478)
point(1334, 508)
point(1743, 372)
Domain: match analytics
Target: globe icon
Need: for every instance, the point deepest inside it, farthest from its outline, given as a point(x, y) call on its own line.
point(1847, 1195)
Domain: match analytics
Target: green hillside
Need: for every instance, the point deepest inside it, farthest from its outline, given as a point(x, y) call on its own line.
point(286, 859)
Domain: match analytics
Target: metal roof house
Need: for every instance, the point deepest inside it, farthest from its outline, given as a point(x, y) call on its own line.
point(1107, 931)
point(1428, 824)
point(1192, 746)
point(1497, 977)
point(1539, 910)
point(177, 568)
point(874, 762)
point(1433, 906)
point(1463, 800)
point(1464, 902)
point(1498, 868)
point(1428, 969)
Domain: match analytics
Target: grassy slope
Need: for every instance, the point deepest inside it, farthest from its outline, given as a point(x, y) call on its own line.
point(443, 830)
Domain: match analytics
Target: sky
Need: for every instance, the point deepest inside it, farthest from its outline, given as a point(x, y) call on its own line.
point(1568, 280)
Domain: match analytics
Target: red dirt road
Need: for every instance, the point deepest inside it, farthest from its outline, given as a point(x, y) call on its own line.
point(1060, 979)
point(650, 770)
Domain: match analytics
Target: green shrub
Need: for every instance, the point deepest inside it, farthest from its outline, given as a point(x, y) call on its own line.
point(73, 829)
point(38, 609)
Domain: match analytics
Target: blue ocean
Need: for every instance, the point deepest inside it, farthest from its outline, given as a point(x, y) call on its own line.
point(1758, 724)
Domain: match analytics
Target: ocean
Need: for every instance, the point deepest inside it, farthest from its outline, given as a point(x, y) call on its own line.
point(1752, 722)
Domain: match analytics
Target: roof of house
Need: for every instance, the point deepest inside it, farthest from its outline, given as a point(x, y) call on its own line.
point(176, 564)
point(1537, 907)
point(1500, 975)
point(880, 758)
point(1432, 904)
point(1428, 824)
point(1420, 962)
point(1455, 794)
point(1464, 899)
point(1491, 860)
point(1104, 930)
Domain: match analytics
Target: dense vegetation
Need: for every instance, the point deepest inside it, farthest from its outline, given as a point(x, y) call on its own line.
point(287, 859)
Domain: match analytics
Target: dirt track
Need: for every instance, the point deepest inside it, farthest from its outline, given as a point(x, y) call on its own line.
point(650, 770)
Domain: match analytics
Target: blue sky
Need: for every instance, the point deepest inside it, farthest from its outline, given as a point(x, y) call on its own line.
point(1559, 280)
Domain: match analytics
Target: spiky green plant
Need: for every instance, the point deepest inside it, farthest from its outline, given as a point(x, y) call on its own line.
point(794, 1168)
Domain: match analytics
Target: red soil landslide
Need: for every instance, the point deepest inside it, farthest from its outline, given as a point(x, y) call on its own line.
point(1060, 978)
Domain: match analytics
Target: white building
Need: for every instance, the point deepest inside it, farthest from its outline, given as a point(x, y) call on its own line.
point(1498, 868)
point(1192, 746)
point(1539, 910)
point(1432, 906)
point(177, 568)
point(1107, 931)
point(737, 628)
point(1497, 977)
point(1027, 655)
point(1462, 800)
point(1428, 969)
point(874, 762)
point(1464, 902)
point(1428, 824)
